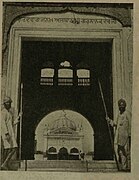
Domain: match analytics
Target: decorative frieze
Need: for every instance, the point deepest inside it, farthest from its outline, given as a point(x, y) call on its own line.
point(14, 11)
point(68, 20)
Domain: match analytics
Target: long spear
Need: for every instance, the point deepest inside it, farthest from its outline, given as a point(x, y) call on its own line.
point(105, 109)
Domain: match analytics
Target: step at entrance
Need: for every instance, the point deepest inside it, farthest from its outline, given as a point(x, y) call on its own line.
point(68, 165)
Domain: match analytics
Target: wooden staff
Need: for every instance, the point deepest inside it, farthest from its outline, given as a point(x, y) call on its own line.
point(105, 109)
point(21, 112)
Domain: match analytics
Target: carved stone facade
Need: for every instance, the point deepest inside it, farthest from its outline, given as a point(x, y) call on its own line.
point(63, 134)
point(68, 22)
point(14, 11)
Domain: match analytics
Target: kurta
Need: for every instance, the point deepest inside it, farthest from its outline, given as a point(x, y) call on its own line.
point(7, 126)
point(123, 128)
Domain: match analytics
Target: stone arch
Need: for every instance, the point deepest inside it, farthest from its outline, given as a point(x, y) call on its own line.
point(45, 114)
point(123, 18)
point(114, 35)
point(74, 150)
point(52, 150)
point(80, 122)
point(74, 154)
point(51, 153)
point(63, 154)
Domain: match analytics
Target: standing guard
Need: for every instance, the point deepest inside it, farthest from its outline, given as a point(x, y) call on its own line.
point(8, 135)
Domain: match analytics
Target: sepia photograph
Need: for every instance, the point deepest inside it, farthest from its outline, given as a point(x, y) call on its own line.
point(66, 87)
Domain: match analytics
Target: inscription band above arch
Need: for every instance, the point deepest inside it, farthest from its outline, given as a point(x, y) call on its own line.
point(18, 11)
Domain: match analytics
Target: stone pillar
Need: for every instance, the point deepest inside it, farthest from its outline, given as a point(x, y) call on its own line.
point(45, 143)
point(117, 74)
point(55, 76)
point(127, 49)
point(75, 78)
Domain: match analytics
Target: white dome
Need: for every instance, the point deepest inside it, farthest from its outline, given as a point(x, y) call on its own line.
point(63, 122)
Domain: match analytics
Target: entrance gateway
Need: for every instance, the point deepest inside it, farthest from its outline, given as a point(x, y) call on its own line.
point(102, 37)
point(64, 135)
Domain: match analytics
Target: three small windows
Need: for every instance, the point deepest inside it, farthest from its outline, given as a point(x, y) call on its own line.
point(65, 76)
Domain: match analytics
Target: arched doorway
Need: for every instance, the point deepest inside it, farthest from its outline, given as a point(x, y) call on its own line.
point(115, 34)
point(51, 153)
point(63, 154)
point(64, 128)
point(96, 47)
point(80, 94)
point(74, 154)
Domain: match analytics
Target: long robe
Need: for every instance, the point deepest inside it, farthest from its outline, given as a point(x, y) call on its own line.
point(123, 128)
point(123, 133)
point(7, 126)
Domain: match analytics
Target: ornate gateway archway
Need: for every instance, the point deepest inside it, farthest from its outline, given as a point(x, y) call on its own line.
point(104, 41)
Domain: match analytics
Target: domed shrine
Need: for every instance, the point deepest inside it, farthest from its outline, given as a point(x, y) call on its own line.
point(63, 139)
point(63, 122)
